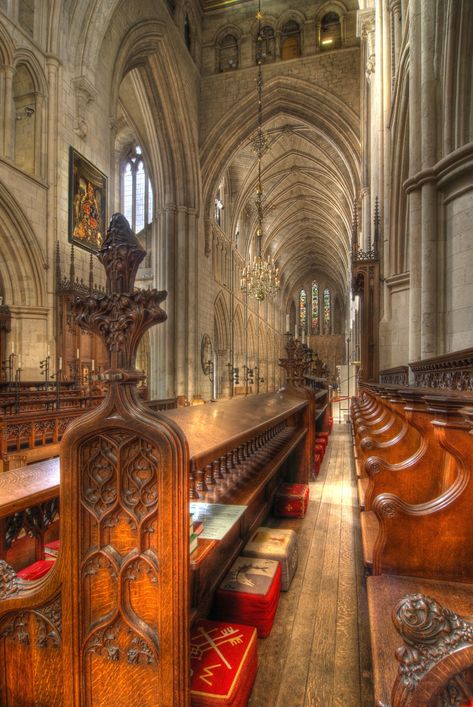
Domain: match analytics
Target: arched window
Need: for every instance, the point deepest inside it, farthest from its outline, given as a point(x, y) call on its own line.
point(330, 31)
point(315, 306)
point(265, 45)
point(187, 33)
point(219, 207)
point(26, 119)
point(228, 58)
point(137, 192)
point(302, 309)
point(290, 40)
point(327, 310)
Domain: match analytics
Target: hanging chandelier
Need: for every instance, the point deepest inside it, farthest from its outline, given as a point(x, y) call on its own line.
point(260, 278)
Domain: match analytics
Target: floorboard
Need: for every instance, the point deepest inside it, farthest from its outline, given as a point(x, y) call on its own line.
point(318, 652)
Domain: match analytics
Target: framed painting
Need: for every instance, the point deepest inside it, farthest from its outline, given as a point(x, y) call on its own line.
point(87, 203)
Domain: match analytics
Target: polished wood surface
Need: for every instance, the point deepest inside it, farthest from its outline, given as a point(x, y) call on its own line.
point(35, 483)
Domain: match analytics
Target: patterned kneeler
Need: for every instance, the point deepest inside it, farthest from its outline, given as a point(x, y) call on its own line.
point(291, 500)
point(249, 594)
point(224, 662)
point(275, 544)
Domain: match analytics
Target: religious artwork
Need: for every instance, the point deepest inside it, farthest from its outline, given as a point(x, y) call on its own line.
point(327, 313)
point(302, 309)
point(87, 203)
point(315, 305)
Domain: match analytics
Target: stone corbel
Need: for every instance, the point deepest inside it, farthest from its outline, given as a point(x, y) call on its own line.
point(85, 94)
point(366, 30)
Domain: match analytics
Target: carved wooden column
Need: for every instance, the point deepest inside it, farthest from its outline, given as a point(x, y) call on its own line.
point(110, 623)
point(365, 284)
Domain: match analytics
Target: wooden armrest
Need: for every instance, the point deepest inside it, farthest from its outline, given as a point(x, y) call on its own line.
point(384, 595)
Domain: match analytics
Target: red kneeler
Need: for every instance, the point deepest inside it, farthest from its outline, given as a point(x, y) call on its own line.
point(36, 570)
point(291, 500)
point(317, 463)
point(319, 449)
point(249, 594)
point(224, 662)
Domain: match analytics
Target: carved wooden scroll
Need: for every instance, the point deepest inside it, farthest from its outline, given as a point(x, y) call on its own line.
point(436, 657)
point(121, 581)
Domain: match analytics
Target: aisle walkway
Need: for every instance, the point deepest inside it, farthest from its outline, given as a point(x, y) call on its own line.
point(318, 651)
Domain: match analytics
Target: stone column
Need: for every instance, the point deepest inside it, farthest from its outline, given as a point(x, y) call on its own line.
point(8, 113)
point(366, 30)
point(52, 171)
point(429, 342)
point(414, 205)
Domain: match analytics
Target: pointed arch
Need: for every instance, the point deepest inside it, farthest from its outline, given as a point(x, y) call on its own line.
point(221, 323)
point(23, 273)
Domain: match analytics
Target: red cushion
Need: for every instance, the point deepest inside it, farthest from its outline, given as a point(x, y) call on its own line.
point(321, 440)
point(291, 500)
point(36, 570)
point(224, 662)
point(249, 594)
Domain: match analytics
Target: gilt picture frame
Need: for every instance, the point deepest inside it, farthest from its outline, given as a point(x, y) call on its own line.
point(87, 203)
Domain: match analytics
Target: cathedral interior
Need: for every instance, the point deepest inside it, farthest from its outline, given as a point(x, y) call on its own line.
point(235, 238)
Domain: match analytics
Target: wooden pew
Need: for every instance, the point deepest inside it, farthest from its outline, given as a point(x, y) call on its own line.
point(423, 474)
point(123, 583)
point(29, 504)
point(30, 437)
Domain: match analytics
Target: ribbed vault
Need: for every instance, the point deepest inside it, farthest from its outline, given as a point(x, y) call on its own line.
point(310, 177)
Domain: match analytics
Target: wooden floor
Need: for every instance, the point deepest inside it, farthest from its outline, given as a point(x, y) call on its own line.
point(318, 651)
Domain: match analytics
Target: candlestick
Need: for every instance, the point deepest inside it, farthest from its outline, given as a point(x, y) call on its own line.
point(77, 353)
point(12, 347)
point(60, 363)
point(49, 350)
point(287, 322)
point(93, 365)
point(19, 361)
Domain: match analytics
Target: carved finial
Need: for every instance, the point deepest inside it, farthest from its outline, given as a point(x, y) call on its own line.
point(72, 269)
point(430, 632)
point(122, 315)
point(376, 226)
point(58, 265)
point(8, 580)
point(354, 230)
point(295, 363)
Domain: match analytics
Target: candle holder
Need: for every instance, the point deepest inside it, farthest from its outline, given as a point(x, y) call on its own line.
point(44, 369)
point(17, 389)
point(8, 368)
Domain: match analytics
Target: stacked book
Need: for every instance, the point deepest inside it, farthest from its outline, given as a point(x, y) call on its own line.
point(195, 529)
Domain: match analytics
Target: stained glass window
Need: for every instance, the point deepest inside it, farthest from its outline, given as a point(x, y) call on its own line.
point(327, 310)
point(315, 305)
point(137, 192)
point(303, 309)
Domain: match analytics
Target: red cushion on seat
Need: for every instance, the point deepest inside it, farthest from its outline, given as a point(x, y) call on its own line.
point(224, 662)
point(36, 570)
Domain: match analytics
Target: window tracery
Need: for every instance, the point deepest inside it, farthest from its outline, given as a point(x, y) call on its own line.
point(327, 310)
point(315, 305)
point(302, 309)
point(137, 191)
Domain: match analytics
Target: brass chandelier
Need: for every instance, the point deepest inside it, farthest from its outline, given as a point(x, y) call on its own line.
point(260, 278)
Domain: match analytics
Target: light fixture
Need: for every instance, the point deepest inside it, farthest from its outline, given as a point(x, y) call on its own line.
point(260, 278)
